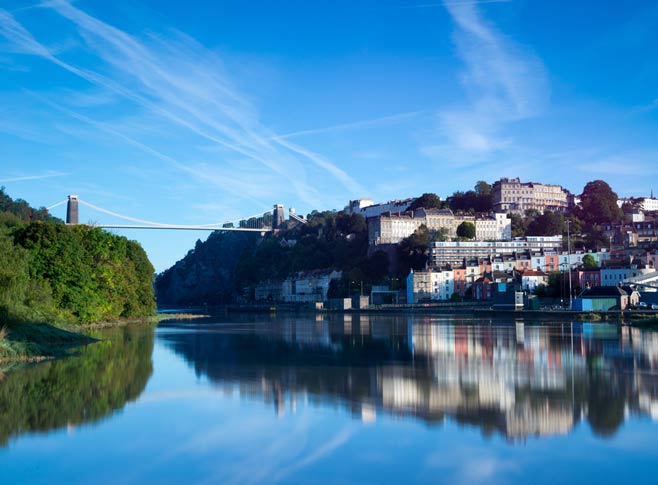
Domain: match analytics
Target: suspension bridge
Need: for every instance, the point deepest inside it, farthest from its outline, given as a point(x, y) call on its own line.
point(266, 221)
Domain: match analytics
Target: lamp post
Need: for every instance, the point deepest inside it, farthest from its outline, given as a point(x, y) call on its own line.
point(569, 262)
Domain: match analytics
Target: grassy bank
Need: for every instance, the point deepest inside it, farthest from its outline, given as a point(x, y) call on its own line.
point(32, 342)
point(37, 341)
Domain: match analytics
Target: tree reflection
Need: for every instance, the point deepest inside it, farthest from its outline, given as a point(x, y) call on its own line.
point(76, 390)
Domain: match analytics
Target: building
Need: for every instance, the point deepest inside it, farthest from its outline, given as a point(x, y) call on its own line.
point(497, 227)
point(455, 252)
point(531, 279)
point(512, 195)
point(433, 284)
point(647, 204)
point(483, 289)
point(367, 208)
point(613, 276)
point(393, 227)
point(302, 287)
point(602, 298)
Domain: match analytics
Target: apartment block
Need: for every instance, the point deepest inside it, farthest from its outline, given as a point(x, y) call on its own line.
point(512, 195)
point(455, 252)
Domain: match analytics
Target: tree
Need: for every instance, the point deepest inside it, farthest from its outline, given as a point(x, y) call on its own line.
point(598, 203)
point(589, 262)
point(547, 224)
point(426, 201)
point(413, 251)
point(442, 234)
point(466, 230)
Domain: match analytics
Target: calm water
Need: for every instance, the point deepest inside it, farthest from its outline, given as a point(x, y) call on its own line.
point(351, 399)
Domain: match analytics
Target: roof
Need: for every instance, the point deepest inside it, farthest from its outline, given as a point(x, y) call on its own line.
point(603, 292)
point(532, 272)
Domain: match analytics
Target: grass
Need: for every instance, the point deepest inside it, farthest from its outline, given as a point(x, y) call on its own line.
point(37, 341)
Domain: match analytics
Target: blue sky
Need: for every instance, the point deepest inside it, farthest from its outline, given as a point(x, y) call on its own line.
point(204, 111)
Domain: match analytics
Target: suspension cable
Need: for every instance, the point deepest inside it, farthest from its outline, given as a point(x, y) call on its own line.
point(151, 223)
point(57, 205)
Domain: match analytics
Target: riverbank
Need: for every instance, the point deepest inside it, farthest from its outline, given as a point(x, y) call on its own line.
point(34, 342)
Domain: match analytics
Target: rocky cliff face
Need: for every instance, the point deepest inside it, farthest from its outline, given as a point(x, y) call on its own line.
point(206, 274)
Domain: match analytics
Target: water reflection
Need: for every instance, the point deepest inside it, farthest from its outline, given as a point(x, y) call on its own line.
point(83, 389)
point(513, 378)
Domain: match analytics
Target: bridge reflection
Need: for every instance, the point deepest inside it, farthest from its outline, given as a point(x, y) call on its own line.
point(512, 378)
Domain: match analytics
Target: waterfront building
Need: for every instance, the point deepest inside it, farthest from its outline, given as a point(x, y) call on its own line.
point(512, 195)
point(433, 284)
point(531, 279)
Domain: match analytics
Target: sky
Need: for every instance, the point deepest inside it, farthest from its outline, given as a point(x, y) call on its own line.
point(200, 112)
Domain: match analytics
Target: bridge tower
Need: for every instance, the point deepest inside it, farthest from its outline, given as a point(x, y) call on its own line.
point(72, 215)
point(278, 216)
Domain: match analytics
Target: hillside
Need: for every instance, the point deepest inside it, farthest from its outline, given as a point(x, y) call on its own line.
point(228, 265)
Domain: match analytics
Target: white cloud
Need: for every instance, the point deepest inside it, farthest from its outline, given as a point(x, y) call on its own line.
point(504, 83)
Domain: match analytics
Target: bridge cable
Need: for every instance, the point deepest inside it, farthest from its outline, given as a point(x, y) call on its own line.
point(159, 224)
point(57, 205)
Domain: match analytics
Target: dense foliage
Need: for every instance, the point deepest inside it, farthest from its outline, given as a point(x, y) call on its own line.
point(229, 264)
point(480, 199)
point(330, 240)
point(426, 201)
point(53, 272)
point(598, 203)
point(466, 230)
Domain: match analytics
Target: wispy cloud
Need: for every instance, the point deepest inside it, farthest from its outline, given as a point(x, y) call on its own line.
point(384, 120)
point(183, 84)
point(504, 83)
point(47, 175)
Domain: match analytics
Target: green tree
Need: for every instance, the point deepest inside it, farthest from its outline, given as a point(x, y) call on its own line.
point(413, 251)
point(466, 230)
point(598, 204)
point(589, 262)
point(426, 201)
point(547, 224)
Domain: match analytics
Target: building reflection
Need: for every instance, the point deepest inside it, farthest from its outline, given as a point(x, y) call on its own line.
point(518, 379)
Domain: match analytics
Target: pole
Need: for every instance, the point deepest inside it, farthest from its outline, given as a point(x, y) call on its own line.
point(569, 262)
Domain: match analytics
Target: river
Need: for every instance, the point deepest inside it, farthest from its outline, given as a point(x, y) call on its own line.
point(338, 399)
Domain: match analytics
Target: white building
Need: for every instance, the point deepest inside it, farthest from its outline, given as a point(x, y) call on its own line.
point(497, 227)
point(512, 195)
point(647, 204)
point(454, 252)
point(430, 285)
point(531, 279)
point(391, 228)
point(367, 208)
